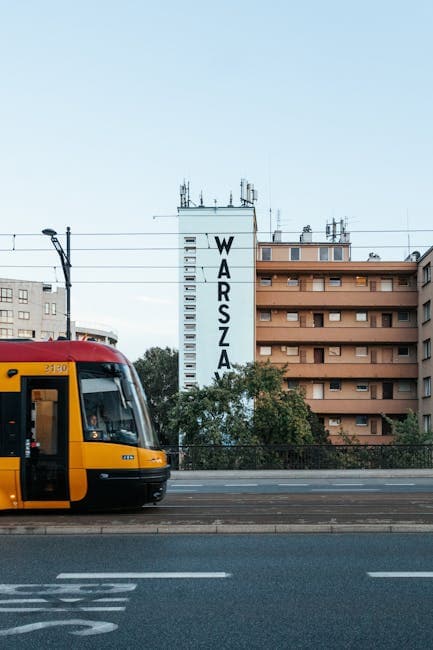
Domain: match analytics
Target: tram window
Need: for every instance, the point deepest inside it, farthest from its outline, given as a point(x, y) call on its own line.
point(106, 405)
point(44, 403)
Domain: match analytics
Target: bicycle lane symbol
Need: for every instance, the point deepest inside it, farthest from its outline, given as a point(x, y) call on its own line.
point(59, 598)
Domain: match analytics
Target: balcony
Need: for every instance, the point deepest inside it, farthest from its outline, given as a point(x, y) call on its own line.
point(362, 406)
point(377, 371)
point(349, 300)
point(335, 335)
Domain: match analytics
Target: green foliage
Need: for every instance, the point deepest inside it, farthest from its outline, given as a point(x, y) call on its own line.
point(408, 432)
point(246, 406)
point(158, 372)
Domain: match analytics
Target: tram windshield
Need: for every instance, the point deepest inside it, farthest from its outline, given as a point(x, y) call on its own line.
point(113, 408)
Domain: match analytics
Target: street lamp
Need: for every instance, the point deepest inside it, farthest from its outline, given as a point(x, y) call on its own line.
point(65, 259)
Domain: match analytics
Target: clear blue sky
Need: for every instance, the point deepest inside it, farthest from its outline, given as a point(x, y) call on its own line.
point(106, 106)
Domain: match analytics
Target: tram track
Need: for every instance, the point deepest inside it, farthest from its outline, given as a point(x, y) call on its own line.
point(246, 509)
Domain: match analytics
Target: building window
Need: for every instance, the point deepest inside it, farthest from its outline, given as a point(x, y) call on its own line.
point(28, 334)
point(318, 391)
point(361, 351)
point(361, 420)
point(190, 326)
point(265, 315)
point(361, 281)
point(24, 315)
point(292, 351)
point(403, 316)
point(426, 311)
point(47, 308)
point(6, 316)
point(361, 316)
point(404, 386)
point(403, 281)
point(427, 387)
point(323, 253)
point(5, 295)
point(335, 315)
point(266, 253)
point(426, 421)
point(293, 281)
point(386, 284)
point(265, 350)
point(23, 296)
point(426, 349)
point(47, 335)
point(266, 281)
point(189, 240)
point(335, 281)
point(338, 253)
point(292, 384)
point(362, 388)
point(295, 254)
point(6, 333)
point(426, 274)
point(334, 422)
point(335, 384)
point(403, 351)
point(334, 351)
point(292, 316)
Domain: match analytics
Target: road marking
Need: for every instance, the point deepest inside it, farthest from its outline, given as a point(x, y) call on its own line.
point(344, 490)
point(186, 485)
point(93, 627)
point(399, 483)
point(57, 589)
point(293, 484)
point(182, 491)
point(400, 574)
point(145, 576)
point(347, 484)
point(62, 609)
point(241, 485)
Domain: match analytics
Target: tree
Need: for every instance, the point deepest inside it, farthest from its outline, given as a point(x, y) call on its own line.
point(247, 405)
point(408, 432)
point(158, 373)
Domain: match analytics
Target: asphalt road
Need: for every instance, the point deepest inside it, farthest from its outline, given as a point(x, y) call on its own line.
point(234, 592)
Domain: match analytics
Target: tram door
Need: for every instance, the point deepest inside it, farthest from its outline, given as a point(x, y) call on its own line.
point(45, 453)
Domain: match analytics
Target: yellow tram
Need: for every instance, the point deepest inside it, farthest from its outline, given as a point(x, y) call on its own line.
point(75, 430)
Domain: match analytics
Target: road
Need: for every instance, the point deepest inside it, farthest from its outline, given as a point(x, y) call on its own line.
point(187, 592)
point(255, 501)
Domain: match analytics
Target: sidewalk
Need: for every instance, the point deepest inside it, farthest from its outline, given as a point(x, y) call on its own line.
point(301, 473)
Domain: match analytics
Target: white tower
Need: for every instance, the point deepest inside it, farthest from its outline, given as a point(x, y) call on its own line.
point(217, 276)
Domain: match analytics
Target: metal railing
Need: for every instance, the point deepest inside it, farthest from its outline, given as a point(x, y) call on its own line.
point(256, 457)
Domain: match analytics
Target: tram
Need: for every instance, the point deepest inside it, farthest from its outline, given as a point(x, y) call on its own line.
point(75, 430)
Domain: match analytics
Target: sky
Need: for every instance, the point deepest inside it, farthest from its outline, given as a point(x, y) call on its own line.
point(107, 106)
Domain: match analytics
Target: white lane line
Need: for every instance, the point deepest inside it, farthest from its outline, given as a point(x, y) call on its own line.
point(347, 484)
point(400, 574)
point(182, 485)
point(293, 484)
point(23, 600)
point(344, 490)
point(146, 575)
point(62, 609)
point(241, 485)
point(182, 491)
point(399, 483)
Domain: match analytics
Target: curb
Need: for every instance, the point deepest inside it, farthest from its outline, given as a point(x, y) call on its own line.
point(213, 529)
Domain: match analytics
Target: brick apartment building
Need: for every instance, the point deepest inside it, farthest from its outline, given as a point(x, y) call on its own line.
point(355, 335)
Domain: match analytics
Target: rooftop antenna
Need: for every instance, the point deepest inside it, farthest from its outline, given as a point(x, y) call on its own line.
point(248, 194)
point(230, 205)
point(201, 199)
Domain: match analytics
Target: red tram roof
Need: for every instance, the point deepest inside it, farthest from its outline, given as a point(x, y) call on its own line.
point(28, 351)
